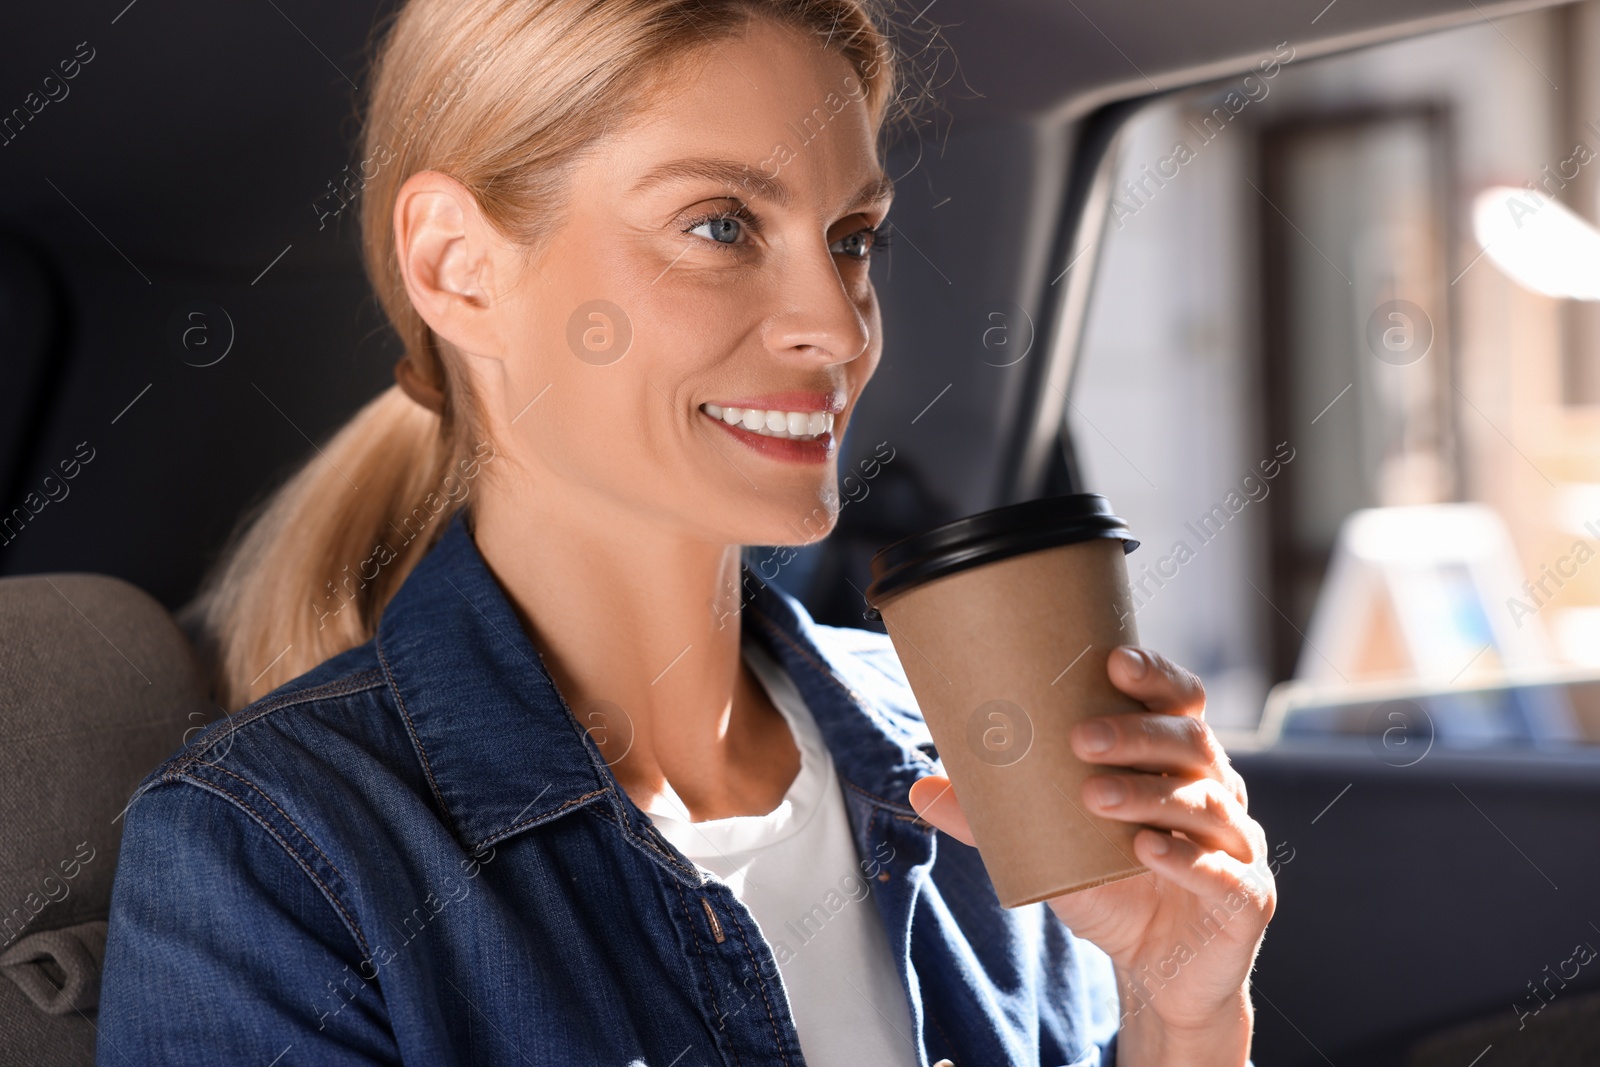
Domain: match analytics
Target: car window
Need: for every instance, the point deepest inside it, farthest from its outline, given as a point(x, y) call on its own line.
point(1336, 373)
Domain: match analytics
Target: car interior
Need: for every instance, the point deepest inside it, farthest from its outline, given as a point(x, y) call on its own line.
point(1308, 290)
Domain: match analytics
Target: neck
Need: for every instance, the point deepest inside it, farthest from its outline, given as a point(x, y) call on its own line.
point(640, 630)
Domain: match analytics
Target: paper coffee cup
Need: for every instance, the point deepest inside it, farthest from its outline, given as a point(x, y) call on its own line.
point(1003, 622)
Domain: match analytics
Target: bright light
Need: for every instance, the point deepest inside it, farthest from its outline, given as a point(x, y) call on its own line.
point(1538, 243)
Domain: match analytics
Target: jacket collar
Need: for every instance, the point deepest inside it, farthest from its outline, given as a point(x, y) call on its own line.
point(503, 752)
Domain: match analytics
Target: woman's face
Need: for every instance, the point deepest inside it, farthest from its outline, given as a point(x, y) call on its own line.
point(714, 256)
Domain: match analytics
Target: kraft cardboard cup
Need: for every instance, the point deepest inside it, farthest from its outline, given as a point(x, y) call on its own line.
point(1004, 622)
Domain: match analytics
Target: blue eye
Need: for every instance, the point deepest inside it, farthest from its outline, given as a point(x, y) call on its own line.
point(724, 229)
point(861, 244)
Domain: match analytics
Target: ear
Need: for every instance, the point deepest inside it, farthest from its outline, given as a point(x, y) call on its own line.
point(446, 252)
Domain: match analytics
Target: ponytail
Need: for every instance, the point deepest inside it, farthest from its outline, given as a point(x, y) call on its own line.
point(308, 574)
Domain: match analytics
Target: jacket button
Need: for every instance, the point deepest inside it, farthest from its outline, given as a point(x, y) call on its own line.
point(944, 1063)
point(883, 876)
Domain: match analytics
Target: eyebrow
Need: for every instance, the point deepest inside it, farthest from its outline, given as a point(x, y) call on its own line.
point(745, 178)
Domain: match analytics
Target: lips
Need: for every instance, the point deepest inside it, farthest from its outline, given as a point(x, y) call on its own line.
point(791, 427)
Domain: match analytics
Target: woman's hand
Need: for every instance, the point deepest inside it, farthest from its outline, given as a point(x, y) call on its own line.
point(1184, 936)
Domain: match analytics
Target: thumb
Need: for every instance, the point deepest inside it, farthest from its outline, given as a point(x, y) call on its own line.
point(935, 800)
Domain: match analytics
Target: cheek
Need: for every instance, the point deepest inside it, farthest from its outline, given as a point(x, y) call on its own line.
point(571, 390)
point(688, 331)
point(623, 378)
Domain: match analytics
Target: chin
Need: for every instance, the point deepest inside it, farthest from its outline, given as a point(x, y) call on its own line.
point(802, 522)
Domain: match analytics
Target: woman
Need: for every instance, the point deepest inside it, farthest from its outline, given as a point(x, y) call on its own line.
point(581, 790)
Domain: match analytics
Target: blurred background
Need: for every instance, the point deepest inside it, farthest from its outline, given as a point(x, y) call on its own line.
point(1309, 279)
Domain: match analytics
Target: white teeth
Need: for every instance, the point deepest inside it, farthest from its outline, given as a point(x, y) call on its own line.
point(802, 424)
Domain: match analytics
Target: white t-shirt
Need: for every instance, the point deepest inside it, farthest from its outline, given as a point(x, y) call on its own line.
point(796, 869)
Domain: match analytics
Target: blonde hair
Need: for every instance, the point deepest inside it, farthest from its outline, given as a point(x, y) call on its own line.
point(502, 95)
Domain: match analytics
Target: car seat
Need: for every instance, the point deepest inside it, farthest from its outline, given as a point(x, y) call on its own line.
point(97, 686)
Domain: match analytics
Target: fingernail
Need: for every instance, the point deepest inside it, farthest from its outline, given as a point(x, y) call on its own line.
point(1161, 844)
point(1135, 660)
point(1097, 734)
point(1108, 792)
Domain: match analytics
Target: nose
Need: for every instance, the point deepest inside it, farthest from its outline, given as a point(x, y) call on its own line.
point(816, 317)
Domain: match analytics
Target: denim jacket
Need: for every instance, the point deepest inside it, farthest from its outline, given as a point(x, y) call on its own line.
point(414, 853)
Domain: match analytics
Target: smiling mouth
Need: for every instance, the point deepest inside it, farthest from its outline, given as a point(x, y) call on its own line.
point(793, 425)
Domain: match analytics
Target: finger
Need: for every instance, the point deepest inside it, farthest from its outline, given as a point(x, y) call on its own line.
point(935, 800)
point(1239, 890)
point(1202, 809)
point(1155, 681)
point(1168, 744)
point(1165, 687)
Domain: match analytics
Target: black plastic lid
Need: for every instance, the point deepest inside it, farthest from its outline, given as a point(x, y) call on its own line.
point(989, 536)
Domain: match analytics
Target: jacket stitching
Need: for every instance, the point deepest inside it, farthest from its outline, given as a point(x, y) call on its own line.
point(508, 830)
point(653, 847)
point(766, 1002)
point(895, 808)
point(422, 752)
point(354, 683)
point(334, 867)
point(633, 837)
point(704, 966)
point(916, 820)
point(328, 894)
